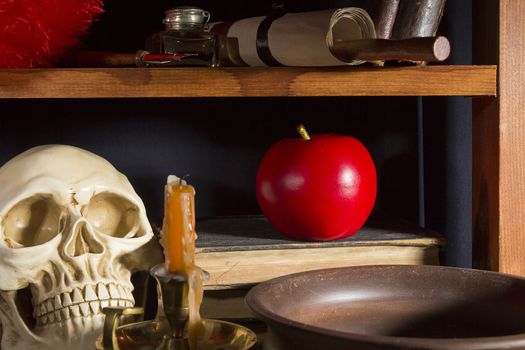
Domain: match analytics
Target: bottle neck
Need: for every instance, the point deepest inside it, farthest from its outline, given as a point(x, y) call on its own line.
point(185, 27)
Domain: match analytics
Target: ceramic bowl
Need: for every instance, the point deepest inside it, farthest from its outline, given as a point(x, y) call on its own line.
point(392, 307)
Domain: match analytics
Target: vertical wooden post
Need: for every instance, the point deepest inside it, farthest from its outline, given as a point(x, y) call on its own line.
point(499, 141)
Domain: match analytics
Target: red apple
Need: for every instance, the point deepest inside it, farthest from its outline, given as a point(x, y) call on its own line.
point(320, 188)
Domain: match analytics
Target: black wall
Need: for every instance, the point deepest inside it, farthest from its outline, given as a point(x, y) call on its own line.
point(448, 148)
point(218, 142)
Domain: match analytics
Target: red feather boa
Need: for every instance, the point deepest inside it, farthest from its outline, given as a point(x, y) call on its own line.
point(33, 33)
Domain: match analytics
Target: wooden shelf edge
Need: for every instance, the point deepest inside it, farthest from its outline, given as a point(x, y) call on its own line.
point(247, 82)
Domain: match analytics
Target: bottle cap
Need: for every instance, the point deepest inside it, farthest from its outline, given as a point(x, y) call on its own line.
point(186, 15)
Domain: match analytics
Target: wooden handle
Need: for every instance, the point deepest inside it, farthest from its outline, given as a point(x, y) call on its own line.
point(99, 59)
point(413, 49)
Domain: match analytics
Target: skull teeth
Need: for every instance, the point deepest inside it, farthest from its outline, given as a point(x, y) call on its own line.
point(102, 291)
point(77, 296)
point(65, 313)
point(113, 291)
point(95, 306)
point(89, 293)
point(66, 300)
point(75, 310)
point(84, 308)
point(87, 301)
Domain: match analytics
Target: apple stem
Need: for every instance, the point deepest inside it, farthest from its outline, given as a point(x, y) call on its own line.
point(302, 131)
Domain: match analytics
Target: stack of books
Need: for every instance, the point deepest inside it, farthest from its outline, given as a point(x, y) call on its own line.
point(239, 252)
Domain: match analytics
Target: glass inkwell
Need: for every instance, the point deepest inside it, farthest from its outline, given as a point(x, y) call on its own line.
point(185, 42)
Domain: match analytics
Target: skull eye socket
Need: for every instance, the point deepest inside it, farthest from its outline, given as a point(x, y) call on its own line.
point(32, 221)
point(113, 215)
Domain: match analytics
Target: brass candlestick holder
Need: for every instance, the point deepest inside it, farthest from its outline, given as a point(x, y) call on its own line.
point(169, 330)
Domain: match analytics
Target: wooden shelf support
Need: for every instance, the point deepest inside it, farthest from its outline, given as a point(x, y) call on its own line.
point(499, 142)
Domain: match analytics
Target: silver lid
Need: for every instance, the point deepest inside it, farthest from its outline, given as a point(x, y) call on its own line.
point(187, 15)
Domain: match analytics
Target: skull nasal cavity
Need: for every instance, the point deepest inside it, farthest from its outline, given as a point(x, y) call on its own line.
point(83, 242)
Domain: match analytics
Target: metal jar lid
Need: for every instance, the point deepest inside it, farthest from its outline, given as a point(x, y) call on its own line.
point(186, 15)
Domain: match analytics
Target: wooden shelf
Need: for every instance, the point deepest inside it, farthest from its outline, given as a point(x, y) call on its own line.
point(238, 82)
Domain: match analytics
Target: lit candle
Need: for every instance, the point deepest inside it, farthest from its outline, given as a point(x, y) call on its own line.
point(178, 231)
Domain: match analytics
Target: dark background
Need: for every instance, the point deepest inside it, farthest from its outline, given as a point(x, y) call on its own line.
point(421, 146)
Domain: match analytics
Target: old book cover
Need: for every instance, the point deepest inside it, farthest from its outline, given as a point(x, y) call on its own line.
point(241, 251)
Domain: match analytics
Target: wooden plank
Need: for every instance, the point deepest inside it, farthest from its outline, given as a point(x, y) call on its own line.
point(512, 137)
point(499, 146)
point(237, 82)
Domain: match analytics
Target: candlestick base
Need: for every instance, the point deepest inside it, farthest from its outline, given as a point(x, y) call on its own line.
point(170, 343)
point(149, 335)
point(169, 330)
point(172, 291)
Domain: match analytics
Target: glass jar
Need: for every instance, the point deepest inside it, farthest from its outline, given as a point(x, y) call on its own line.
point(185, 42)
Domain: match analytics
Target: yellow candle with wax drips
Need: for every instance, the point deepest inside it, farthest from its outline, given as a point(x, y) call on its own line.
point(179, 225)
point(178, 240)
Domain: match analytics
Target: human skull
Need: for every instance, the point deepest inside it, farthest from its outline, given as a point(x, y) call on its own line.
point(72, 231)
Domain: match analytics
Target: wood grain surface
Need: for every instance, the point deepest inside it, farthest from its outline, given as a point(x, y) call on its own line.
point(238, 82)
point(512, 137)
point(499, 144)
point(428, 49)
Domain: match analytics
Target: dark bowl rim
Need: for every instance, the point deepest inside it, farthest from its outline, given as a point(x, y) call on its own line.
point(514, 341)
